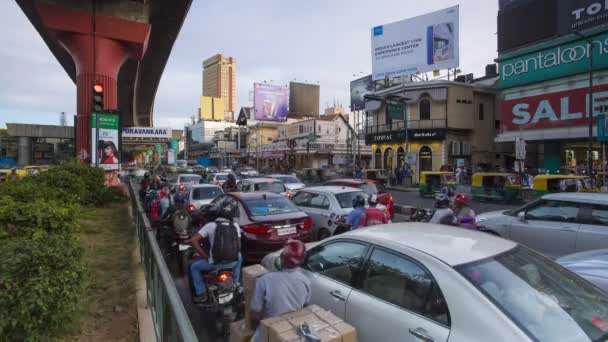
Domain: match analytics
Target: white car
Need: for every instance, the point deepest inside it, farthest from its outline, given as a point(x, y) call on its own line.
point(248, 171)
point(556, 225)
point(202, 194)
point(263, 184)
point(291, 182)
point(326, 205)
point(218, 178)
point(415, 282)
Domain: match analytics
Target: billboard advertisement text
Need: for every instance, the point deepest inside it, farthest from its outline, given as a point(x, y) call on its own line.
point(105, 151)
point(424, 43)
point(270, 102)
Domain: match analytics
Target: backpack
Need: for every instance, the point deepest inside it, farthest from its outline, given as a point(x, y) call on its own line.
point(225, 243)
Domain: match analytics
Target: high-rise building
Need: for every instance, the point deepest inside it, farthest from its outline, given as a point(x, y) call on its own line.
point(219, 80)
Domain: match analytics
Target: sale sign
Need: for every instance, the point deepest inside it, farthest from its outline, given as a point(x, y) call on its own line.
point(551, 110)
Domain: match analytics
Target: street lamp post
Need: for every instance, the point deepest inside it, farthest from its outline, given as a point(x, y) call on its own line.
point(589, 102)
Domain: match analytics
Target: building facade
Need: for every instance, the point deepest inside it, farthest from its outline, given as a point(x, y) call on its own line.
point(26, 144)
point(219, 80)
point(431, 124)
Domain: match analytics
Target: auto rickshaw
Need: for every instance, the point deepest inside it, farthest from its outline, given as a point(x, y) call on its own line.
point(599, 178)
point(34, 169)
point(432, 182)
point(544, 184)
point(493, 186)
point(5, 174)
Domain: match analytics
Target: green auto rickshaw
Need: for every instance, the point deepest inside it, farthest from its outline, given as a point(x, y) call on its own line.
point(494, 186)
point(432, 182)
point(546, 184)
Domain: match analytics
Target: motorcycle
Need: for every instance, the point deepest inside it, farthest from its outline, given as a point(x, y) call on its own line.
point(174, 234)
point(421, 214)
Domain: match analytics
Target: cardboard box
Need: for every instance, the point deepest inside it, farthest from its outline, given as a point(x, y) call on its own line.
point(249, 276)
point(348, 332)
point(328, 317)
point(239, 332)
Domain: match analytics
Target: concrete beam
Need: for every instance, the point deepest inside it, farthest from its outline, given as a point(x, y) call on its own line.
point(40, 131)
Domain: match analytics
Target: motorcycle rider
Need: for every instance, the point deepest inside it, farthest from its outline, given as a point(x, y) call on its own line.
point(230, 184)
point(144, 185)
point(372, 215)
point(353, 220)
point(443, 213)
point(283, 289)
point(206, 263)
point(461, 207)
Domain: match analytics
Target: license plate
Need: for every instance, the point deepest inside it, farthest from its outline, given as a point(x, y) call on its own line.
point(184, 247)
point(225, 298)
point(287, 231)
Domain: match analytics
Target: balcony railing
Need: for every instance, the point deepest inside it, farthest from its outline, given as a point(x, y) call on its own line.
point(399, 126)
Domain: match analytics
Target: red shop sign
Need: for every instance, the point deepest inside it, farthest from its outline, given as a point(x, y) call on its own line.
point(551, 110)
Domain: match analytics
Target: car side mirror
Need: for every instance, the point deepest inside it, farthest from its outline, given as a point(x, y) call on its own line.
point(521, 216)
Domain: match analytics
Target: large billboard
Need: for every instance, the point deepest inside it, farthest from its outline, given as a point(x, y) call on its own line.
point(270, 102)
point(424, 43)
point(304, 100)
point(358, 89)
point(578, 15)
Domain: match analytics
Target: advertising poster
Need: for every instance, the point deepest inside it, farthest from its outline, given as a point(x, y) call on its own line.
point(270, 102)
point(424, 43)
point(358, 89)
point(105, 151)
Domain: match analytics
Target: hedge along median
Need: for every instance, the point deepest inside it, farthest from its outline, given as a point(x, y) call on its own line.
point(42, 275)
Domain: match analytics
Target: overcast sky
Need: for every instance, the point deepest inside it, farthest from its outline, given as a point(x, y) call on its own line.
point(325, 41)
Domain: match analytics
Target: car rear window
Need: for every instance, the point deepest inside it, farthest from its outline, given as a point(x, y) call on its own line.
point(346, 198)
point(190, 179)
point(288, 179)
point(272, 206)
point(370, 189)
point(221, 177)
point(206, 193)
point(276, 187)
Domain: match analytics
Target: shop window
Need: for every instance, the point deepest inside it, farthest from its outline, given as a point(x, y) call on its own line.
point(481, 112)
point(425, 109)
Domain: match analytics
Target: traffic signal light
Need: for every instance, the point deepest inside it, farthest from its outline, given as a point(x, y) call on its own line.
point(98, 97)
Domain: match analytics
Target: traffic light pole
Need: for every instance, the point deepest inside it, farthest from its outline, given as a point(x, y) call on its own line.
point(96, 142)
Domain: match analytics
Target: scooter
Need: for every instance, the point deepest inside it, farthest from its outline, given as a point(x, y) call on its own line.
point(421, 215)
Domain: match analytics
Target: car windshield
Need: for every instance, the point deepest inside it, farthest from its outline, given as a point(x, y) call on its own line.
point(206, 193)
point(288, 179)
point(221, 177)
point(276, 187)
point(190, 179)
point(346, 198)
point(370, 189)
point(548, 302)
point(272, 206)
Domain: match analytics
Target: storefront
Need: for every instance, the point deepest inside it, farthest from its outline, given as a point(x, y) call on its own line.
point(147, 146)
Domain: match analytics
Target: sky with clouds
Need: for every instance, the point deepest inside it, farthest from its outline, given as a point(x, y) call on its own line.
point(324, 41)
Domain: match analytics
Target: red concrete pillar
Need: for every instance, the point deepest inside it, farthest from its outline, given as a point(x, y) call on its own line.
point(98, 57)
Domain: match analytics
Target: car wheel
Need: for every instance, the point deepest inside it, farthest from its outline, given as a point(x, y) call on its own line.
point(323, 234)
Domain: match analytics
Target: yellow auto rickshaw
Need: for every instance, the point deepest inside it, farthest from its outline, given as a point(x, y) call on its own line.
point(545, 184)
point(6, 173)
point(34, 169)
point(494, 186)
point(433, 181)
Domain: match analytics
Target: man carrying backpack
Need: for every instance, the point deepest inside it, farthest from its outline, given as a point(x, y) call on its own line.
point(225, 246)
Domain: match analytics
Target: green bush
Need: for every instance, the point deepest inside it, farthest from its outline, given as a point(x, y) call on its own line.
point(37, 218)
point(31, 189)
point(40, 285)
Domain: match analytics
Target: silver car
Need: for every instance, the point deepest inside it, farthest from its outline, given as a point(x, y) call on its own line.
point(291, 182)
point(591, 265)
point(556, 225)
point(326, 205)
point(218, 178)
point(415, 282)
point(202, 194)
point(263, 184)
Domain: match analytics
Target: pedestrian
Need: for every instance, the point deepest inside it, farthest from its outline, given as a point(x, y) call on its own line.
point(282, 290)
point(458, 175)
point(398, 176)
point(13, 177)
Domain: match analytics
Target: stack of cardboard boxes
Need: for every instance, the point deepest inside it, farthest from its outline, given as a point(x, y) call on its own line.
point(322, 323)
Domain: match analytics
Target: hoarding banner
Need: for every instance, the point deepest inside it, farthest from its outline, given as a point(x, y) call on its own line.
point(552, 110)
point(424, 43)
point(554, 62)
point(358, 89)
point(147, 132)
point(602, 131)
point(106, 148)
point(270, 102)
point(301, 129)
point(578, 15)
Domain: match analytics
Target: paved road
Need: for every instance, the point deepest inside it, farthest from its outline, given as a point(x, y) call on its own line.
point(413, 199)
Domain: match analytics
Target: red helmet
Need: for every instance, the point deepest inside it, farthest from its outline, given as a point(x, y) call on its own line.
point(293, 253)
point(461, 198)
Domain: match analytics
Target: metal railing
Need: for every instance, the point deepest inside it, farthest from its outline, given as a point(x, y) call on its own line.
point(400, 125)
point(171, 322)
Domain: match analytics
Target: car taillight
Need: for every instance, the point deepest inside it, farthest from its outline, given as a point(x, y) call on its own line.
point(223, 276)
point(218, 183)
point(258, 229)
point(191, 208)
point(307, 224)
point(289, 195)
point(181, 187)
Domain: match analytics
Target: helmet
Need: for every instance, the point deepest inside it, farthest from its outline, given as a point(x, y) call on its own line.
point(358, 201)
point(227, 211)
point(461, 199)
point(146, 175)
point(230, 176)
point(293, 253)
point(441, 200)
point(373, 199)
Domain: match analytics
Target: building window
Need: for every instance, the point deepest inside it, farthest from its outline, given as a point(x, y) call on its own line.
point(480, 111)
point(425, 109)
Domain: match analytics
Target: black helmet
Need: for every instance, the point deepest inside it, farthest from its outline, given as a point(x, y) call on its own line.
point(146, 175)
point(442, 200)
point(230, 176)
point(358, 201)
point(227, 211)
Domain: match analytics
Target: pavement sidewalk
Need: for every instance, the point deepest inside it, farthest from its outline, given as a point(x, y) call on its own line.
point(402, 188)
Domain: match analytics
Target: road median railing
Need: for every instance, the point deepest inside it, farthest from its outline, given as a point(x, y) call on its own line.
point(171, 322)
